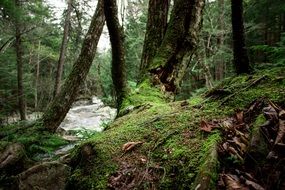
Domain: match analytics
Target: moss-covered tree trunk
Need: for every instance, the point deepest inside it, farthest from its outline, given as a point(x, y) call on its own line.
point(62, 102)
point(155, 30)
point(19, 57)
point(118, 53)
point(178, 45)
point(241, 60)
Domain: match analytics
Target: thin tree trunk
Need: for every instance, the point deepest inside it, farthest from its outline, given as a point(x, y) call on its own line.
point(118, 52)
point(19, 55)
point(283, 23)
point(37, 76)
point(61, 104)
point(155, 30)
point(220, 40)
point(63, 49)
point(241, 60)
point(79, 27)
point(206, 71)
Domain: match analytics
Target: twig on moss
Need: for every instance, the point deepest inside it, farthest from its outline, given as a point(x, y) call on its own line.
point(245, 88)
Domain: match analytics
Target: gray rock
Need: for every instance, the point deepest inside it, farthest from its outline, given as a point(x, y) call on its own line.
point(44, 176)
point(11, 155)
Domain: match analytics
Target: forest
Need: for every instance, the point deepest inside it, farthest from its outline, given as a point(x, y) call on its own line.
point(142, 94)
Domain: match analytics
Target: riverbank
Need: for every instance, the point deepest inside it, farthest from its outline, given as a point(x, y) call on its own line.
point(157, 145)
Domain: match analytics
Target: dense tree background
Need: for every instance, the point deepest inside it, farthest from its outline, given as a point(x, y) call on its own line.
point(264, 24)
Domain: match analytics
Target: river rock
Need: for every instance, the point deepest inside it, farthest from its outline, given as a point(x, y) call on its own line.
point(45, 176)
point(11, 155)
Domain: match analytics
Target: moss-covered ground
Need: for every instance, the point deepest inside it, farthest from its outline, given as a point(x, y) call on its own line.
point(174, 151)
point(33, 137)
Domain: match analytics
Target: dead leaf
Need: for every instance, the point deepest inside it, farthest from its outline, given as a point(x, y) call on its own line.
point(253, 185)
point(225, 146)
point(281, 132)
point(270, 113)
point(204, 126)
point(239, 117)
point(227, 125)
point(130, 145)
point(232, 182)
point(241, 145)
point(282, 114)
point(143, 160)
point(276, 107)
point(272, 156)
point(233, 151)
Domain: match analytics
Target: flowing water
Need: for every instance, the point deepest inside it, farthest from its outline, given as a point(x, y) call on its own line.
point(88, 117)
point(85, 117)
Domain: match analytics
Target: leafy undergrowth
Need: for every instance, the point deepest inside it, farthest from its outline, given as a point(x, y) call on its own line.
point(32, 136)
point(161, 146)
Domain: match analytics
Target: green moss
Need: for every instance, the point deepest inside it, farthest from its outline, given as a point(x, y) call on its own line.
point(34, 138)
point(196, 100)
point(258, 122)
point(259, 147)
point(171, 135)
point(209, 165)
point(143, 94)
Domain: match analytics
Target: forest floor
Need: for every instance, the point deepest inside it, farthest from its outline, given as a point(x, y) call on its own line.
point(228, 138)
point(218, 139)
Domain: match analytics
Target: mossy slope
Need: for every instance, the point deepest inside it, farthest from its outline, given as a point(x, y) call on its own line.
point(173, 148)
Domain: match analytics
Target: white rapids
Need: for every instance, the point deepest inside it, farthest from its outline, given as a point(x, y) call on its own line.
point(87, 117)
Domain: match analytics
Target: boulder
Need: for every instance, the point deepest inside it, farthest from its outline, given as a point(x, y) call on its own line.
point(44, 176)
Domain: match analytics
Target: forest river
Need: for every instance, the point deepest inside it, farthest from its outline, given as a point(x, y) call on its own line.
point(85, 115)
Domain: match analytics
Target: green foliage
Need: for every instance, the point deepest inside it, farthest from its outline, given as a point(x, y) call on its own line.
point(136, 18)
point(265, 25)
point(276, 54)
point(33, 137)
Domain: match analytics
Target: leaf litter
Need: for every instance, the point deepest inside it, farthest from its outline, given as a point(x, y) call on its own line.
point(241, 169)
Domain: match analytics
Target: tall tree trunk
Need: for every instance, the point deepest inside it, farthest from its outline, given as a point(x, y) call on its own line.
point(241, 60)
point(63, 48)
point(201, 58)
point(118, 52)
point(155, 30)
point(61, 104)
point(220, 40)
point(37, 76)
point(19, 55)
point(179, 44)
point(283, 23)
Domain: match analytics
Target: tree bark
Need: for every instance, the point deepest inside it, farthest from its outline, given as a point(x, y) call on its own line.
point(61, 104)
point(155, 30)
point(283, 23)
point(63, 48)
point(37, 76)
point(241, 60)
point(179, 44)
point(19, 55)
point(220, 40)
point(118, 52)
point(201, 59)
